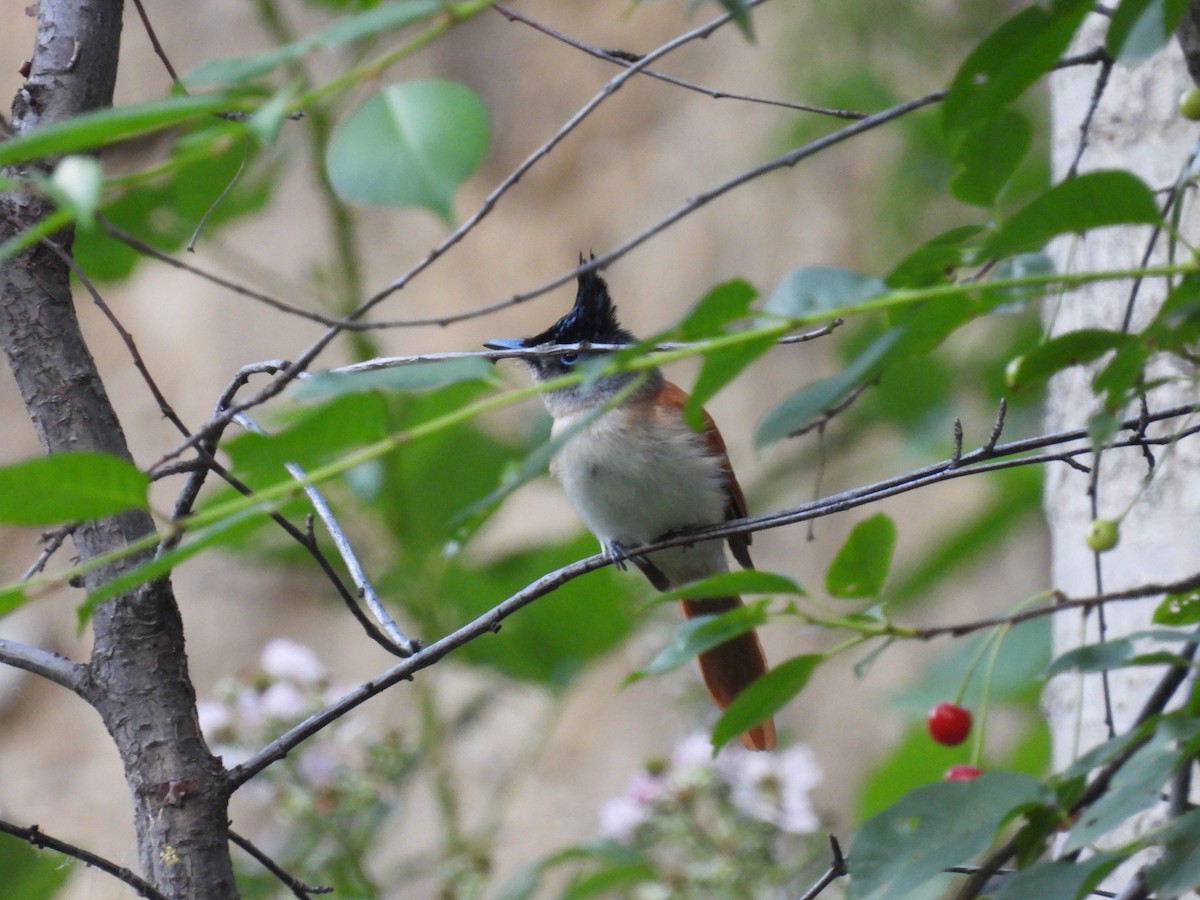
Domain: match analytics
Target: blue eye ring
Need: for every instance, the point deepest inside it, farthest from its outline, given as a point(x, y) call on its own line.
point(569, 359)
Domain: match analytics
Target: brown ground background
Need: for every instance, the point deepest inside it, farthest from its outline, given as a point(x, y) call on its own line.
point(643, 153)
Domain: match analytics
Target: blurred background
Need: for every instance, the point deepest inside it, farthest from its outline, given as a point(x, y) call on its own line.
point(507, 751)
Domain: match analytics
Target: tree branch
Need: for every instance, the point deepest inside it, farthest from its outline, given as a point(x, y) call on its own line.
point(51, 666)
point(38, 838)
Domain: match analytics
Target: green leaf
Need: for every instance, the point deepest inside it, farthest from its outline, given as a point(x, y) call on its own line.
point(203, 167)
point(725, 303)
point(815, 399)
point(1179, 609)
point(1061, 880)
point(69, 487)
point(987, 156)
point(30, 874)
point(91, 131)
point(739, 11)
point(1136, 786)
point(721, 367)
point(1092, 200)
point(550, 642)
point(318, 434)
point(409, 144)
point(370, 23)
point(1178, 871)
point(747, 581)
point(1140, 28)
point(417, 376)
point(1007, 62)
point(1092, 658)
point(694, 636)
point(764, 697)
point(934, 261)
point(933, 828)
point(1071, 349)
point(862, 564)
point(803, 292)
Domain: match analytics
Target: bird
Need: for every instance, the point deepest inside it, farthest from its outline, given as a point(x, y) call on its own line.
point(636, 472)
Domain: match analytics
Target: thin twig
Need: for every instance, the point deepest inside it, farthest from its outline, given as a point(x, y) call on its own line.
point(998, 427)
point(1061, 603)
point(241, 290)
point(53, 540)
point(1106, 66)
point(401, 644)
point(140, 364)
point(836, 870)
point(158, 47)
point(297, 887)
point(38, 838)
point(624, 59)
point(306, 357)
point(490, 620)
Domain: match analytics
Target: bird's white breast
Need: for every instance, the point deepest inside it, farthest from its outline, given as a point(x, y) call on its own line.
point(634, 479)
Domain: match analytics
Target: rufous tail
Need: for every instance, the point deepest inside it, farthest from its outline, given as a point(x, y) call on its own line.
point(729, 668)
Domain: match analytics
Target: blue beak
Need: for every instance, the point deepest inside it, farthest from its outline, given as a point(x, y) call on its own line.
point(505, 344)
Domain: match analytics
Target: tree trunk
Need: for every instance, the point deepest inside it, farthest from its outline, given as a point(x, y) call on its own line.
point(1138, 127)
point(137, 678)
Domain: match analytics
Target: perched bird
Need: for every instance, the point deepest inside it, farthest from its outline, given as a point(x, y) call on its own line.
point(637, 473)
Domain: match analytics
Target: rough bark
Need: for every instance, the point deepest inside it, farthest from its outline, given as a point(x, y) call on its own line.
point(137, 678)
point(1137, 127)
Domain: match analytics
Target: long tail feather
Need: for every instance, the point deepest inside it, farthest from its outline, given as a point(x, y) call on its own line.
point(729, 668)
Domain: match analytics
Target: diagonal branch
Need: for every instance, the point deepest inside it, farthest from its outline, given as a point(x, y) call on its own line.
point(38, 838)
point(49, 665)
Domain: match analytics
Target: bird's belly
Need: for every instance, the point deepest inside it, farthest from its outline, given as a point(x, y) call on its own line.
point(631, 489)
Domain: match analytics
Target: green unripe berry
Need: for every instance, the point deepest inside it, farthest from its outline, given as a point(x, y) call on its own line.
point(1189, 104)
point(1102, 535)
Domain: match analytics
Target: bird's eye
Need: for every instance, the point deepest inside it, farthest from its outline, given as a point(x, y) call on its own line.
point(568, 359)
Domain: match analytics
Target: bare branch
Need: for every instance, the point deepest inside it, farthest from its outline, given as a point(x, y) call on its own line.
point(398, 643)
point(53, 540)
point(38, 838)
point(297, 887)
point(489, 621)
point(305, 358)
point(625, 59)
point(837, 869)
point(49, 665)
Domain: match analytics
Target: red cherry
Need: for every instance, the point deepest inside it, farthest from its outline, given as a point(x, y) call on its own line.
point(962, 773)
point(949, 724)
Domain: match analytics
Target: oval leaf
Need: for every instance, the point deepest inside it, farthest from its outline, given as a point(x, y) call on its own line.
point(803, 292)
point(417, 376)
point(694, 636)
point(749, 581)
point(1140, 28)
point(69, 487)
point(933, 828)
point(987, 157)
point(764, 697)
point(1093, 200)
point(861, 566)
point(409, 144)
point(1179, 609)
point(1064, 351)
point(1008, 61)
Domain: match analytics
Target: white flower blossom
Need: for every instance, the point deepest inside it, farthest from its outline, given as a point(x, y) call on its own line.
point(286, 659)
point(621, 816)
point(216, 719)
point(283, 702)
point(774, 788)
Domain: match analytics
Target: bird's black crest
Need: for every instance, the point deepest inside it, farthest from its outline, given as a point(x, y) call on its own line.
point(593, 318)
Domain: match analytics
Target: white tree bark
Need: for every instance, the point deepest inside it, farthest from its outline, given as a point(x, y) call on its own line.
point(1137, 127)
